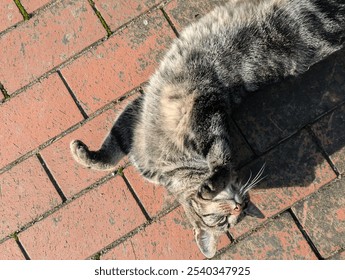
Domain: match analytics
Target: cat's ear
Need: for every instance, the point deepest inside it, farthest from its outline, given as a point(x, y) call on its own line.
point(252, 210)
point(207, 241)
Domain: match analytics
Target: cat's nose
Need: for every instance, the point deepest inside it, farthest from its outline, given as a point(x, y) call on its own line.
point(237, 208)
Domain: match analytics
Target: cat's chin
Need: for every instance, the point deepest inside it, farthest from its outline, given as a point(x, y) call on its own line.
point(232, 221)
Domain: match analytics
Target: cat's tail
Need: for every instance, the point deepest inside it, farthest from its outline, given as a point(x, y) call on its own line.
point(116, 145)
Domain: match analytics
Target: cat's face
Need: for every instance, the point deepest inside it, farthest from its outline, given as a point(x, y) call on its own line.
point(212, 211)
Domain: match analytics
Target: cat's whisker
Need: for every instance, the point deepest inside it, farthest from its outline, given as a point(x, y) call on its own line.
point(257, 179)
point(260, 172)
point(253, 184)
point(248, 181)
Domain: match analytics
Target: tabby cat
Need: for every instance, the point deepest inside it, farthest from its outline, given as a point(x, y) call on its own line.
point(177, 133)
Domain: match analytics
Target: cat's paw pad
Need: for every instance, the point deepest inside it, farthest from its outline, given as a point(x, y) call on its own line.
point(79, 150)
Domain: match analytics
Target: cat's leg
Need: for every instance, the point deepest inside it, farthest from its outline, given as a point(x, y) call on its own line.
point(115, 146)
point(219, 163)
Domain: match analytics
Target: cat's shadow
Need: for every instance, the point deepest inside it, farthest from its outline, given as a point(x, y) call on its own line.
point(297, 128)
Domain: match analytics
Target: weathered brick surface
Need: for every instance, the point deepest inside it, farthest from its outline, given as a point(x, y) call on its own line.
point(323, 218)
point(120, 64)
point(46, 41)
point(278, 240)
point(339, 256)
point(154, 198)
point(71, 176)
point(331, 132)
point(25, 193)
point(9, 250)
point(278, 110)
point(34, 116)
point(9, 14)
point(86, 225)
point(117, 13)
point(294, 170)
point(241, 152)
point(183, 12)
point(32, 5)
point(171, 237)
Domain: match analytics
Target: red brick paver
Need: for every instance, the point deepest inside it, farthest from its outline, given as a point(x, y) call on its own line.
point(281, 239)
point(32, 5)
point(25, 193)
point(117, 13)
point(331, 132)
point(276, 112)
point(86, 225)
point(339, 256)
point(9, 250)
point(323, 218)
point(9, 14)
point(183, 12)
point(34, 116)
point(46, 41)
point(154, 198)
point(120, 64)
point(163, 239)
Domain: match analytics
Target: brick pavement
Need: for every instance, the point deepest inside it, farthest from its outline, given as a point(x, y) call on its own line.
point(67, 68)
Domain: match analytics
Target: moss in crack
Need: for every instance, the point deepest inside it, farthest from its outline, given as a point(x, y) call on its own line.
point(120, 171)
point(100, 17)
point(4, 91)
point(96, 257)
point(14, 236)
point(22, 10)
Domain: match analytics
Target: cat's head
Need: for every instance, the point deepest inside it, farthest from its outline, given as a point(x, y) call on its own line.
point(213, 210)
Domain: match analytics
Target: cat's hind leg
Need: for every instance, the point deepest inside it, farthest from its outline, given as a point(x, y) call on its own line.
point(115, 146)
point(95, 159)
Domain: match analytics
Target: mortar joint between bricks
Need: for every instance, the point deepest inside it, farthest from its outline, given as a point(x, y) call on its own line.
point(74, 97)
point(50, 212)
point(22, 10)
point(305, 235)
point(4, 91)
point(133, 232)
point(22, 249)
point(136, 197)
point(242, 134)
point(319, 145)
point(101, 18)
point(171, 24)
